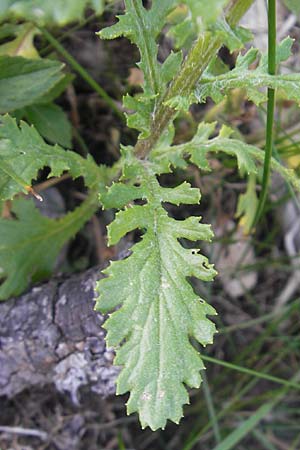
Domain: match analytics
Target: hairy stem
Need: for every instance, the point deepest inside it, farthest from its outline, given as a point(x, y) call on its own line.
point(204, 49)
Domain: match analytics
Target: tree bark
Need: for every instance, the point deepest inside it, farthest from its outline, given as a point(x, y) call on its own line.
point(52, 335)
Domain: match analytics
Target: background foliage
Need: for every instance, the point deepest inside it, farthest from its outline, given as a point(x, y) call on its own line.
point(44, 84)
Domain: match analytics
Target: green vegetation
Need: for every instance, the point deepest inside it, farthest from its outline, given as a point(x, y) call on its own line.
point(160, 325)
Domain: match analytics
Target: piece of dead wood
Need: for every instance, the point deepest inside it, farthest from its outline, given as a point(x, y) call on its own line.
point(52, 335)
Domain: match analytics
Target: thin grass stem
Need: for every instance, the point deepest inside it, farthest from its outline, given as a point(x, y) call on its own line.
point(251, 372)
point(82, 72)
point(270, 111)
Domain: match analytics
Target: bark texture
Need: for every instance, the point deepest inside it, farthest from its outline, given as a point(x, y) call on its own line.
point(52, 335)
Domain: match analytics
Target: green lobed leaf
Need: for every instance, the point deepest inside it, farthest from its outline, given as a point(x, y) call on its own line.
point(159, 310)
point(23, 153)
point(23, 81)
point(30, 244)
point(251, 80)
point(198, 148)
point(165, 156)
point(142, 27)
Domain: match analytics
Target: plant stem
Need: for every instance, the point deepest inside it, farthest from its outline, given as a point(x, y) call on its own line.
point(197, 60)
point(235, 11)
point(43, 52)
point(270, 110)
point(82, 72)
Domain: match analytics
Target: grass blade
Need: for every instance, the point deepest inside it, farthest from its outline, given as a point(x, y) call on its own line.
point(239, 433)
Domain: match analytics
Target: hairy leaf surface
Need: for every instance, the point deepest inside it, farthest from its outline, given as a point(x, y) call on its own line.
point(198, 148)
point(141, 27)
point(251, 80)
point(165, 156)
point(159, 309)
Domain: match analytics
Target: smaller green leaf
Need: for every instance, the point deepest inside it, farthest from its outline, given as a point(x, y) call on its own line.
point(233, 38)
point(251, 80)
point(170, 66)
point(142, 27)
point(23, 81)
point(22, 44)
point(23, 153)
point(119, 195)
point(51, 122)
point(30, 244)
point(198, 148)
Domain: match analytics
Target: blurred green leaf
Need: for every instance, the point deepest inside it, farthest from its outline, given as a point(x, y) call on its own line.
point(23, 81)
point(293, 5)
point(51, 122)
point(59, 12)
point(22, 44)
point(30, 243)
point(247, 205)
